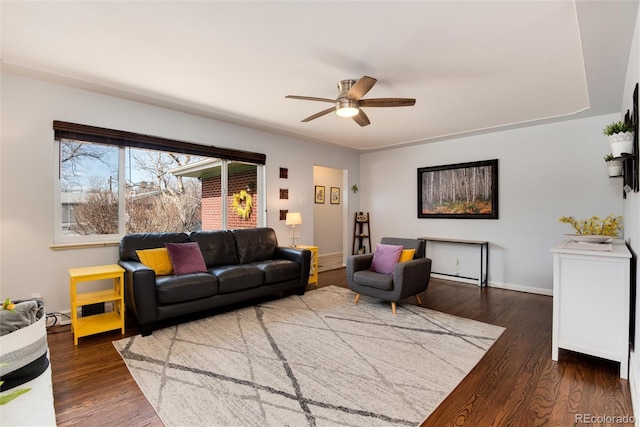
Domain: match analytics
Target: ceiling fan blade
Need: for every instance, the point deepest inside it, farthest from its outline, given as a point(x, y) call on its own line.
point(361, 87)
point(361, 118)
point(320, 114)
point(387, 102)
point(310, 98)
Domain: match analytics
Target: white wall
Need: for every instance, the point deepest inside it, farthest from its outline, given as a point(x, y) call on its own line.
point(545, 172)
point(632, 214)
point(27, 263)
point(327, 219)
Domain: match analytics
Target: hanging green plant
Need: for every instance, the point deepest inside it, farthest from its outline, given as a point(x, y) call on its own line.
point(617, 127)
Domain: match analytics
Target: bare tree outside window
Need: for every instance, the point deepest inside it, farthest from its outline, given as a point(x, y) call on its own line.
point(89, 185)
point(155, 200)
point(158, 200)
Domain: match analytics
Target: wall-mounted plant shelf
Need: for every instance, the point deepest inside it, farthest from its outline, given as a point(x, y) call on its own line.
point(630, 161)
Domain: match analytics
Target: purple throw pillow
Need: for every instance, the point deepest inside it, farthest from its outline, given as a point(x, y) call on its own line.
point(385, 258)
point(186, 258)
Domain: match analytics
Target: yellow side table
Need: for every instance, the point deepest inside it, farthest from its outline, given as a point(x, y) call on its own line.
point(89, 325)
point(313, 271)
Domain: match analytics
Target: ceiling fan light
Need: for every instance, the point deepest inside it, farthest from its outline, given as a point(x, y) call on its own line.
point(347, 111)
point(347, 108)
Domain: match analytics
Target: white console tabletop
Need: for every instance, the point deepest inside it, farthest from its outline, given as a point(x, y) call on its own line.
point(591, 291)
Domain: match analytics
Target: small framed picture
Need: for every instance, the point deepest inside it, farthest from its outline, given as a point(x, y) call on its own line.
point(335, 195)
point(319, 190)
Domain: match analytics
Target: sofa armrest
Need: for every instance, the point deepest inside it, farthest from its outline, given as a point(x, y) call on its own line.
point(414, 276)
point(301, 256)
point(292, 254)
point(140, 290)
point(357, 263)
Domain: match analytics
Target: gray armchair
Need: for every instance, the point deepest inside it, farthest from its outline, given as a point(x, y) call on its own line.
point(409, 278)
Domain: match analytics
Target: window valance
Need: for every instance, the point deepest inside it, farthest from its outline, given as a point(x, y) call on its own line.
point(74, 131)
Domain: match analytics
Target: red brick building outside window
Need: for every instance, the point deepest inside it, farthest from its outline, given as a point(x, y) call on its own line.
point(212, 203)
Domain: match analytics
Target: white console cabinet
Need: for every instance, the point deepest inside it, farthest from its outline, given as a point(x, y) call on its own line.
point(591, 302)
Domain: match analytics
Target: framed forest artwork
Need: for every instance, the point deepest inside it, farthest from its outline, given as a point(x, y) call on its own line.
point(462, 190)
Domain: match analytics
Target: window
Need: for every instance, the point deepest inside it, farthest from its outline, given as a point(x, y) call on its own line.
point(89, 189)
point(108, 187)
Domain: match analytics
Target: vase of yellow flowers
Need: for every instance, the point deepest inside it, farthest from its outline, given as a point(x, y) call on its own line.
point(586, 229)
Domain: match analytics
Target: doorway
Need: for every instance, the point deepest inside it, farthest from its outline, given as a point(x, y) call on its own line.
point(328, 217)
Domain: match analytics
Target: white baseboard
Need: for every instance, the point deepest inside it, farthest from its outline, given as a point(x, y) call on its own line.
point(510, 287)
point(520, 288)
point(329, 254)
point(64, 317)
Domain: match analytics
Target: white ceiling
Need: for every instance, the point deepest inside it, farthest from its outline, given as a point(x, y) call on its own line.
point(471, 65)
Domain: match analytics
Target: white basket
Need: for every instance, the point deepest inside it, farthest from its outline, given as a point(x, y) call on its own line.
point(36, 406)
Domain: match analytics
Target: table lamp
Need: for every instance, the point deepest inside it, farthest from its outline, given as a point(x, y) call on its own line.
point(293, 219)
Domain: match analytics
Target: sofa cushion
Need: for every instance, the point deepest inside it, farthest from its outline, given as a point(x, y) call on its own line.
point(255, 244)
point(279, 270)
point(186, 258)
point(157, 259)
point(130, 243)
point(186, 287)
point(417, 244)
point(407, 255)
point(385, 258)
point(374, 280)
point(233, 278)
point(218, 247)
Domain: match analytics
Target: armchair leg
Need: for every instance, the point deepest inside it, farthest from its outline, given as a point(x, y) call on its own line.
point(355, 301)
point(393, 307)
point(418, 299)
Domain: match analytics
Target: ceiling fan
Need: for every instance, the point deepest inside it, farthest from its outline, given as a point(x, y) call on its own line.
point(349, 101)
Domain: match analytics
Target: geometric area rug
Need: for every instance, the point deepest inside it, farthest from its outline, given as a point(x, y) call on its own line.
point(311, 360)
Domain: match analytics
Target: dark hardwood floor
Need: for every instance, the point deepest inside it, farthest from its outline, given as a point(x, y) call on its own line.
point(515, 384)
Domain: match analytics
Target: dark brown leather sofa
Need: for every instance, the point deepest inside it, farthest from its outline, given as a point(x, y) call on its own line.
point(241, 265)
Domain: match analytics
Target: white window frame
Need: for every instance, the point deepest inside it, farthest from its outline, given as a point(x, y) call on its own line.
point(60, 239)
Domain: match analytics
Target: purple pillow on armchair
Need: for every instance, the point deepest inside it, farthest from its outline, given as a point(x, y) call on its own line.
point(186, 258)
point(385, 258)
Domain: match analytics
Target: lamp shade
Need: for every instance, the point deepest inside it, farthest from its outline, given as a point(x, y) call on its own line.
point(293, 218)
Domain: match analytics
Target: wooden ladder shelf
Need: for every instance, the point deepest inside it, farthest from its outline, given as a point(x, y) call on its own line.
point(361, 232)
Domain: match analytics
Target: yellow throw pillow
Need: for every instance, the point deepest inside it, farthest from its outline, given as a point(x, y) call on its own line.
point(407, 255)
point(157, 259)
